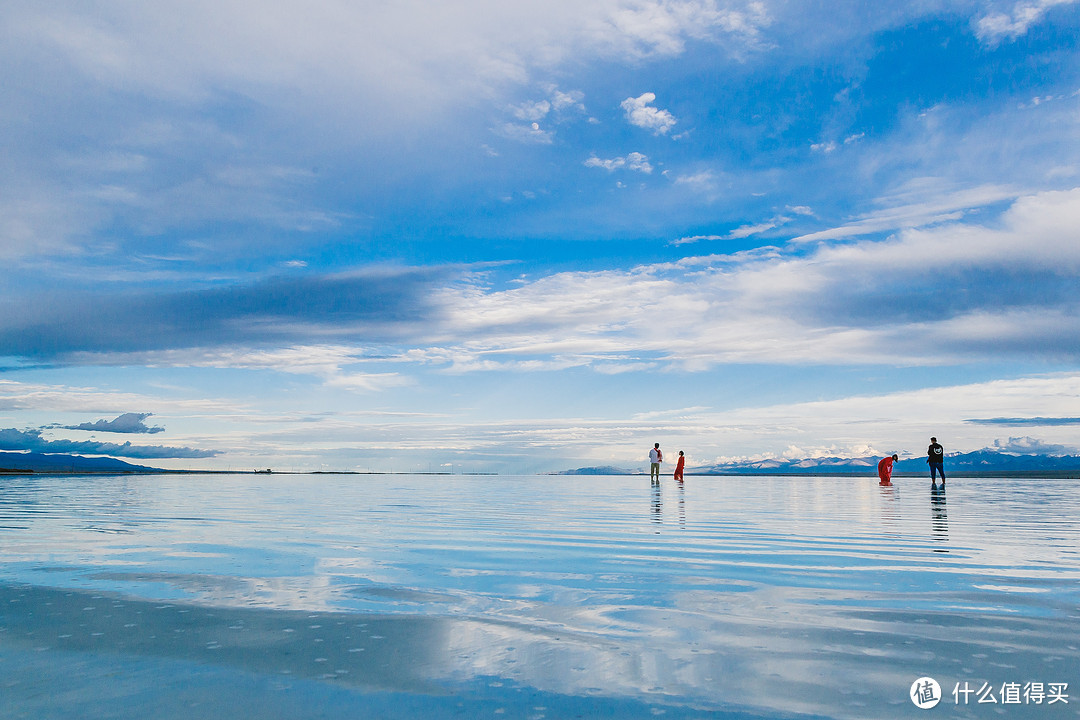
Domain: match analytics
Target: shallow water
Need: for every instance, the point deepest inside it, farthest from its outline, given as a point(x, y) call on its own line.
point(404, 596)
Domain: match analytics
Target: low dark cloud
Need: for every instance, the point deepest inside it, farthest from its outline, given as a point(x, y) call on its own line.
point(891, 297)
point(1017, 421)
point(370, 306)
point(12, 439)
point(126, 423)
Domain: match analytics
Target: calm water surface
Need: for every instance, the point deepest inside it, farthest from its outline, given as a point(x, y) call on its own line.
point(208, 596)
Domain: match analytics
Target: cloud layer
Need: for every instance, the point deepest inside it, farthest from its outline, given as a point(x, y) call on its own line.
point(957, 292)
point(951, 293)
point(373, 305)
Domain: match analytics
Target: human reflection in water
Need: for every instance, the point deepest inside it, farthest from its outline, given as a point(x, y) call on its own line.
point(890, 510)
point(657, 503)
point(939, 518)
point(682, 500)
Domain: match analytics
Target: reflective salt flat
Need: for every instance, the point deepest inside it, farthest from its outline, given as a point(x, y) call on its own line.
point(421, 596)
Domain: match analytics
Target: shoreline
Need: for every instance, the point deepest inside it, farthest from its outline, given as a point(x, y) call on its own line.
point(1019, 474)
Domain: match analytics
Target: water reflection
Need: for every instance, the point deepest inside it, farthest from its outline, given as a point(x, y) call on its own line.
point(890, 511)
point(657, 503)
point(939, 518)
point(772, 595)
point(781, 651)
point(682, 501)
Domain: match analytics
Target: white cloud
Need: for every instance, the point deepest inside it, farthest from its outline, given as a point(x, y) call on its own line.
point(995, 27)
point(633, 161)
point(639, 112)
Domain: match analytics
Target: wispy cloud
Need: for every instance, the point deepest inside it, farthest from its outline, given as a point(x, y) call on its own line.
point(922, 203)
point(743, 231)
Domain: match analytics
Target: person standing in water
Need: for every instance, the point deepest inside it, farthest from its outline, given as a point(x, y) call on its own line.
point(884, 470)
point(655, 458)
point(935, 458)
point(679, 466)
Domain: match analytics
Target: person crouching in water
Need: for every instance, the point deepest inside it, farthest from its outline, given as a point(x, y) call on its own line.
point(679, 466)
point(884, 470)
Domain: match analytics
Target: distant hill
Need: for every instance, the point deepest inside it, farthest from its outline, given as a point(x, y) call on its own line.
point(982, 462)
point(59, 463)
point(601, 470)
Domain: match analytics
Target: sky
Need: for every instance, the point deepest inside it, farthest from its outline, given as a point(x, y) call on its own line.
point(482, 236)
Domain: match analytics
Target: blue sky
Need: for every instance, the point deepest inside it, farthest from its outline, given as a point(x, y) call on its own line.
point(521, 237)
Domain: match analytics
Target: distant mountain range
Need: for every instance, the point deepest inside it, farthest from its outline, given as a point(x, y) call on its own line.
point(60, 463)
point(983, 462)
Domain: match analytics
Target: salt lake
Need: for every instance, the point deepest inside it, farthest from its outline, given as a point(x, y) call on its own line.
point(438, 596)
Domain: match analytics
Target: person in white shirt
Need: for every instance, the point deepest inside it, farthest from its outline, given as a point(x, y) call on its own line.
point(655, 458)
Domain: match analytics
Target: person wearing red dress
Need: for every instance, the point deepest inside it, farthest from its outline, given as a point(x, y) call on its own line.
point(679, 466)
point(884, 470)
